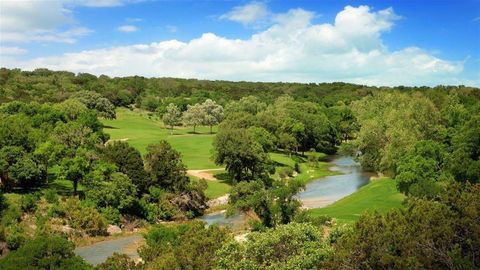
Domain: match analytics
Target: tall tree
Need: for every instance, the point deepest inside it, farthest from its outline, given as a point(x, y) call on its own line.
point(165, 167)
point(243, 157)
point(172, 116)
point(129, 161)
point(213, 113)
point(194, 116)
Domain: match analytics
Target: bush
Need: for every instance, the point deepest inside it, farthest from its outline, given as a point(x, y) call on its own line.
point(15, 237)
point(44, 252)
point(112, 215)
point(117, 262)
point(82, 217)
point(28, 202)
point(50, 195)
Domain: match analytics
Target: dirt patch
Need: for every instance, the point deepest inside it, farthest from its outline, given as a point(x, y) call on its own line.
point(205, 174)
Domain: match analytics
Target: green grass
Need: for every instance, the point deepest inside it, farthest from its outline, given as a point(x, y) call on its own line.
point(141, 129)
point(380, 195)
point(308, 172)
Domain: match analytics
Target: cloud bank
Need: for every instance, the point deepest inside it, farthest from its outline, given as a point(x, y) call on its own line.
point(292, 49)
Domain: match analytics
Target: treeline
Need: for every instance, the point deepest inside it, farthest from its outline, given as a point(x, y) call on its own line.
point(154, 94)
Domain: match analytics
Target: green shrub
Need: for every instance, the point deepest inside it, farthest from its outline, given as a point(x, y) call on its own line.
point(15, 237)
point(112, 215)
point(11, 215)
point(44, 252)
point(50, 195)
point(83, 217)
point(117, 262)
point(28, 202)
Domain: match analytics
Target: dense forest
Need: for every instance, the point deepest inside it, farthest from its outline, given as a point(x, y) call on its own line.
point(53, 137)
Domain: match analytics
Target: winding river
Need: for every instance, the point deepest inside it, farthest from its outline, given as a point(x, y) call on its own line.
point(318, 193)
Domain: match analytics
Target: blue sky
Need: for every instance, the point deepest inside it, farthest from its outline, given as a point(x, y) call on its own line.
point(370, 42)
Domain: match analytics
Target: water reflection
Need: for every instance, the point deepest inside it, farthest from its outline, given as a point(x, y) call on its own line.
point(327, 190)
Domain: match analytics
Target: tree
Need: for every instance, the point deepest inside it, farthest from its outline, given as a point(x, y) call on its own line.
point(116, 191)
point(291, 246)
point(419, 172)
point(129, 161)
point(165, 167)
point(44, 252)
point(243, 157)
point(194, 116)
point(442, 234)
point(75, 168)
point(96, 102)
point(117, 262)
point(263, 137)
point(184, 246)
point(213, 113)
point(172, 117)
point(465, 158)
point(273, 205)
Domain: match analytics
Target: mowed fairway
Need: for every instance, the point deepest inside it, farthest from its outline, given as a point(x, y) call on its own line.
point(380, 195)
point(140, 130)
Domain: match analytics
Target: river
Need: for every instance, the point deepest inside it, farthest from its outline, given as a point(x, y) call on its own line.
point(317, 193)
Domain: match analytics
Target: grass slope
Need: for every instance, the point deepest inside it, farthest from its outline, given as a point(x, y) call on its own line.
point(140, 130)
point(380, 195)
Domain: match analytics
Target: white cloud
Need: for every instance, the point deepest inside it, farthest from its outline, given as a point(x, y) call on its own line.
point(27, 21)
point(349, 49)
point(247, 14)
point(12, 51)
point(127, 28)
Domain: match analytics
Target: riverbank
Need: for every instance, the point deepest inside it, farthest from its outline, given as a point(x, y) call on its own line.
point(379, 195)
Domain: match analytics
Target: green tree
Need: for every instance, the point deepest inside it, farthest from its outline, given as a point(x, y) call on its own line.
point(464, 161)
point(441, 234)
point(185, 246)
point(194, 116)
point(76, 168)
point(116, 191)
point(165, 167)
point(213, 113)
point(291, 246)
point(44, 253)
point(129, 161)
point(172, 116)
point(243, 157)
point(97, 102)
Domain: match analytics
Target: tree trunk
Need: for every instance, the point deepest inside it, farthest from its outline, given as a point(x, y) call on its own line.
point(211, 130)
point(75, 186)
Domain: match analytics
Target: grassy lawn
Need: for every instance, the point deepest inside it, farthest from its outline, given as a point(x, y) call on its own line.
point(140, 130)
point(380, 195)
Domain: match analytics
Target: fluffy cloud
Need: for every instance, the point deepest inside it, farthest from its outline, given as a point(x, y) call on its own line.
point(127, 28)
point(292, 49)
point(247, 14)
point(27, 21)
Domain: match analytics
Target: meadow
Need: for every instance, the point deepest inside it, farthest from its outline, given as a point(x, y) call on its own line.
point(140, 129)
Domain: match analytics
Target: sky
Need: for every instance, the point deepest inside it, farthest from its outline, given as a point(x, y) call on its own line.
point(402, 42)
